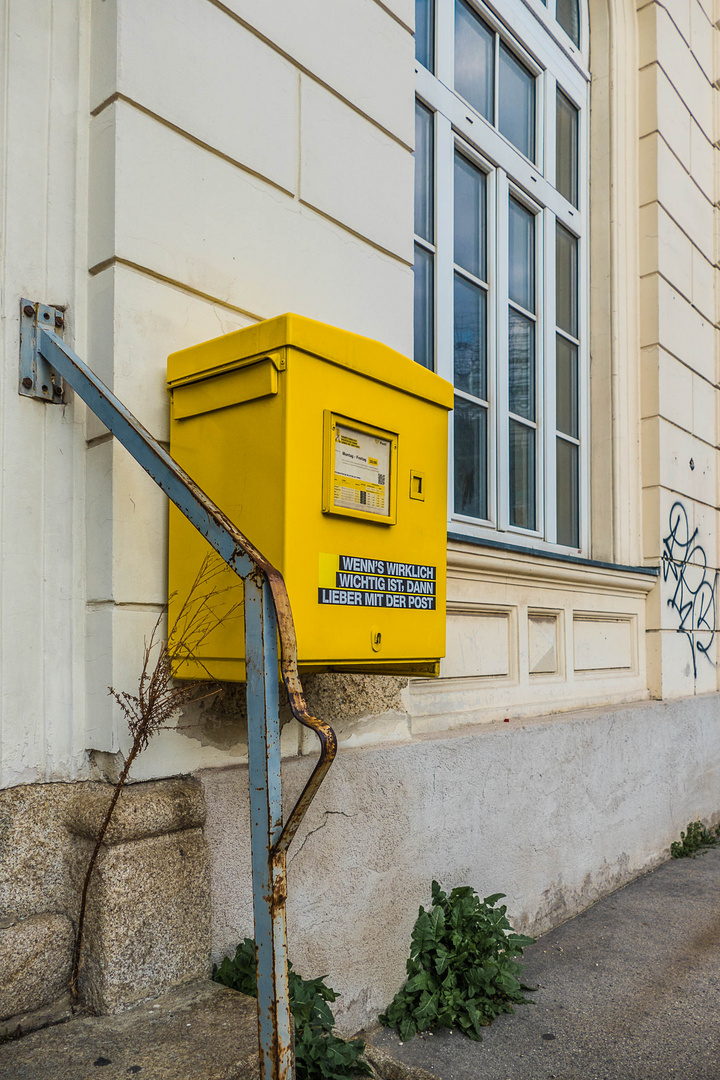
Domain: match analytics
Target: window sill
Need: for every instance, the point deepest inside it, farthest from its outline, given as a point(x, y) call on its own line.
point(477, 556)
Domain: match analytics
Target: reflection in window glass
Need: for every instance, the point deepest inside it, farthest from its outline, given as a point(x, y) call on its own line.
point(423, 308)
point(425, 33)
point(568, 15)
point(521, 255)
point(470, 435)
point(470, 361)
point(469, 211)
point(566, 149)
point(521, 374)
point(516, 103)
point(567, 280)
point(568, 508)
point(474, 60)
point(522, 476)
point(424, 224)
point(566, 419)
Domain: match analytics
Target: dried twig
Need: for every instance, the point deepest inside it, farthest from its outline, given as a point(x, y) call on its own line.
point(159, 697)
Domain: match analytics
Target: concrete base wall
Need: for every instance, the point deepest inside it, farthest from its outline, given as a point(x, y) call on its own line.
point(555, 813)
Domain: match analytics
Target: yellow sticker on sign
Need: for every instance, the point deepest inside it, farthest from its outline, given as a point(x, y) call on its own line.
point(354, 581)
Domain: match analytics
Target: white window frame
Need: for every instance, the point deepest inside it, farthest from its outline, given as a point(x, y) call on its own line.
point(549, 53)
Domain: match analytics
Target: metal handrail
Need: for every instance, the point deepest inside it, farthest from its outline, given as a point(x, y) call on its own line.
point(265, 622)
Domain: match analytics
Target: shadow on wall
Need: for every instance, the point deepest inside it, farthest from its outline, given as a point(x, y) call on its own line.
point(341, 700)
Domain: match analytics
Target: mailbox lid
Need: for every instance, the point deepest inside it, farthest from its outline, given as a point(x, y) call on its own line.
point(352, 351)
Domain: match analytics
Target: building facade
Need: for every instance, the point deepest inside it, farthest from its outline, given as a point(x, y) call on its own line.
point(521, 196)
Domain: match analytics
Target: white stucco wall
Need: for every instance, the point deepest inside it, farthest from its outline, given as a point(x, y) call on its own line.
point(43, 200)
point(679, 335)
point(554, 813)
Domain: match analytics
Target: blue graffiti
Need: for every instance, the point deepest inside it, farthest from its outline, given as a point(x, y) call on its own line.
point(694, 596)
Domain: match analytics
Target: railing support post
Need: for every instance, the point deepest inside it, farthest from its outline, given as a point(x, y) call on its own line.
point(268, 866)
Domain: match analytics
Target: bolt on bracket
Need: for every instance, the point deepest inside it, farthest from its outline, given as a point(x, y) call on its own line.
point(37, 378)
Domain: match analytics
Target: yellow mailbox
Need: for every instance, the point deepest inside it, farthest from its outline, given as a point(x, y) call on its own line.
point(329, 451)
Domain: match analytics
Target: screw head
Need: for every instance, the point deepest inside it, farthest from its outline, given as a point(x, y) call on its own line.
point(29, 310)
point(27, 382)
point(57, 389)
point(59, 321)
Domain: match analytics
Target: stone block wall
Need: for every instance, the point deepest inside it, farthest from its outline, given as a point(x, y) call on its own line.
point(147, 921)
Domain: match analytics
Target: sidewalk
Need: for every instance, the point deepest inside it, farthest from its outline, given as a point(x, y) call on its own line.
point(201, 1031)
point(629, 990)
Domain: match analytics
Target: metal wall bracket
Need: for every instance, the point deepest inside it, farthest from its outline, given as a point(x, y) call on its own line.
point(37, 378)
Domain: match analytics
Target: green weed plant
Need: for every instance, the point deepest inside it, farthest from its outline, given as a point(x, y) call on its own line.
point(319, 1053)
point(462, 970)
point(697, 838)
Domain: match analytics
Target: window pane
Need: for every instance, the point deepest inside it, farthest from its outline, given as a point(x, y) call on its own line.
point(568, 15)
point(470, 356)
point(567, 283)
point(522, 476)
point(521, 374)
point(470, 217)
point(470, 427)
point(425, 33)
point(521, 256)
point(516, 103)
point(566, 157)
point(566, 388)
point(423, 309)
point(474, 60)
point(568, 512)
point(424, 182)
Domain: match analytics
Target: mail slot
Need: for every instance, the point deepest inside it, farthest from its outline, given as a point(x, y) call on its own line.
point(329, 451)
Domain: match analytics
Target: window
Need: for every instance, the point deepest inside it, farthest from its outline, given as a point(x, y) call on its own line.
point(501, 257)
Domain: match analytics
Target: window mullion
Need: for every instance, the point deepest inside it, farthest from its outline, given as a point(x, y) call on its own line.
point(501, 349)
point(444, 165)
point(542, 366)
point(494, 470)
point(549, 127)
point(496, 82)
point(444, 149)
point(584, 396)
point(549, 448)
point(445, 43)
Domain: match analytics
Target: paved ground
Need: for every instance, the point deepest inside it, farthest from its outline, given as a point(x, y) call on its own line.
point(201, 1031)
point(629, 990)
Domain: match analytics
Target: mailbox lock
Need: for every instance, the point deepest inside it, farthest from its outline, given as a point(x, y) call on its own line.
point(375, 639)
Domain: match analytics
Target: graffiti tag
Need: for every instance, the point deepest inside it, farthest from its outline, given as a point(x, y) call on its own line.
point(694, 596)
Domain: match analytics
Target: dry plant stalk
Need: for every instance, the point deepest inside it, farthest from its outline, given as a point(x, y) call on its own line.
point(159, 697)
